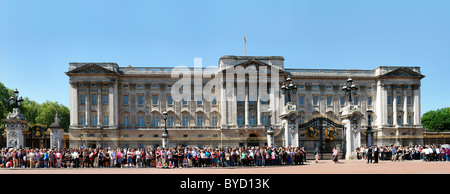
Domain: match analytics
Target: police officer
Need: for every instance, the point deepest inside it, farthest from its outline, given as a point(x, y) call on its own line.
point(375, 153)
point(369, 154)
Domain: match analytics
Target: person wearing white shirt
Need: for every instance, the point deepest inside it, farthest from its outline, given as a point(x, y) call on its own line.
point(138, 158)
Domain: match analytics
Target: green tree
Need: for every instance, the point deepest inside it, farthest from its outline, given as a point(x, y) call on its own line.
point(437, 120)
point(5, 108)
point(34, 112)
point(30, 109)
point(47, 112)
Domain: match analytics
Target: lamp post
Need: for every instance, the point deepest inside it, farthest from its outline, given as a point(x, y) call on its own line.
point(288, 88)
point(350, 89)
point(351, 117)
point(369, 131)
point(15, 100)
point(269, 129)
point(165, 134)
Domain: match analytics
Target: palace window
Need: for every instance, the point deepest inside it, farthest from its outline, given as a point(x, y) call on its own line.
point(252, 120)
point(240, 120)
point(94, 119)
point(170, 121)
point(214, 101)
point(169, 100)
point(199, 101)
point(141, 121)
point(301, 100)
point(83, 119)
point(200, 121)
point(155, 121)
point(140, 100)
point(155, 99)
point(83, 99)
point(94, 98)
point(369, 101)
point(125, 100)
point(185, 121)
point(214, 121)
point(125, 120)
point(315, 100)
point(105, 99)
point(329, 100)
point(264, 120)
point(106, 120)
point(184, 99)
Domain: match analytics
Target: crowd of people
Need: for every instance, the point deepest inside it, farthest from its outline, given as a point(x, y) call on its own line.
point(401, 153)
point(187, 157)
point(181, 157)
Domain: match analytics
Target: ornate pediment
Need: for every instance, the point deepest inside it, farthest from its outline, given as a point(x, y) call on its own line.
point(402, 72)
point(91, 68)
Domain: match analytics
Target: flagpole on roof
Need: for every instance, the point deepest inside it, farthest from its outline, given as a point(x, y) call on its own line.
point(245, 41)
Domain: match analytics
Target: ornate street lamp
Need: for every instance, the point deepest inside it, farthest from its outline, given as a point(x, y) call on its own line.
point(350, 89)
point(15, 99)
point(369, 131)
point(288, 88)
point(165, 134)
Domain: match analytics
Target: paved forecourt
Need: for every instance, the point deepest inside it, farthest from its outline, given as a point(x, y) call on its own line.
point(310, 167)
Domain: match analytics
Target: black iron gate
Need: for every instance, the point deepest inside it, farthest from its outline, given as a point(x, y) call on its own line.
point(324, 128)
point(38, 137)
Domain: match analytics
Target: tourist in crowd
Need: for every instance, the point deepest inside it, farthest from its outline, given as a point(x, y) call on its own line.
point(335, 155)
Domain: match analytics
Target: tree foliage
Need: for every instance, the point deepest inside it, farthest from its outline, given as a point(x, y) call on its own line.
point(437, 120)
point(5, 108)
point(34, 112)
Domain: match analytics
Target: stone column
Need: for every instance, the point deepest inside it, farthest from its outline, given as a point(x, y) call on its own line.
point(116, 103)
point(258, 111)
point(223, 105)
point(111, 102)
point(394, 105)
point(247, 112)
point(405, 105)
point(88, 103)
point(99, 104)
point(15, 124)
point(74, 103)
point(233, 113)
point(416, 94)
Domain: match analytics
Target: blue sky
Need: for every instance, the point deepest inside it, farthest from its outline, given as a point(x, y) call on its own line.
point(38, 39)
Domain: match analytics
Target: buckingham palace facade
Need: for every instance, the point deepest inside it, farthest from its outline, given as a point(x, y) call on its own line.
point(114, 106)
